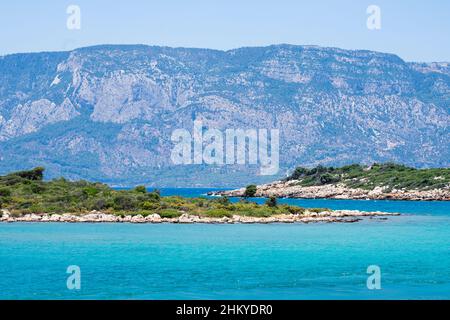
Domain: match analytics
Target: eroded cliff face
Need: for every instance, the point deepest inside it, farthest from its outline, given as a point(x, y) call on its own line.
point(108, 112)
point(35, 115)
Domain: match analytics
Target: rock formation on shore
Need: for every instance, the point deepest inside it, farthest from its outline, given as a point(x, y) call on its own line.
point(291, 189)
point(346, 216)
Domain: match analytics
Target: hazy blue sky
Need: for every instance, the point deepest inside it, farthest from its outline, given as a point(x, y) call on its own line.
point(416, 30)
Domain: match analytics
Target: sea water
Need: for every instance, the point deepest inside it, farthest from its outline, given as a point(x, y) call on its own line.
point(273, 261)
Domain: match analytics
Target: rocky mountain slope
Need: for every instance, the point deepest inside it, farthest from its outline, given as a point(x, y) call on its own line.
point(107, 112)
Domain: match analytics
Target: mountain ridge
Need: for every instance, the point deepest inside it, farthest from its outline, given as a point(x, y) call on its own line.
point(332, 106)
point(136, 45)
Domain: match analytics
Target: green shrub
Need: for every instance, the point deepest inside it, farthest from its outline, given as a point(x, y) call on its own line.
point(140, 189)
point(250, 191)
point(217, 213)
point(169, 213)
point(36, 208)
point(295, 210)
point(12, 180)
point(101, 204)
point(149, 205)
point(34, 174)
point(224, 200)
point(318, 210)
point(90, 191)
point(153, 196)
point(200, 202)
point(5, 192)
point(258, 211)
point(328, 178)
point(124, 202)
point(18, 214)
point(37, 188)
point(271, 202)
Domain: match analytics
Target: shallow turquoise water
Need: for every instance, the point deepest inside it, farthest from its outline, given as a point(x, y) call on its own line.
point(314, 261)
point(404, 207)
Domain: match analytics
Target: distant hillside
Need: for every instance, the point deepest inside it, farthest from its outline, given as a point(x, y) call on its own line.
point(387, 181)
point(388, 176)
point(106, 113)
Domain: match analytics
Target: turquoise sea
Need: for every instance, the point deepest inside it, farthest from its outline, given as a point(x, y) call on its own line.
point(278, 261)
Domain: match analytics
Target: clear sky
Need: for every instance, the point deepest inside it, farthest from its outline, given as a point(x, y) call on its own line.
point(416, 30)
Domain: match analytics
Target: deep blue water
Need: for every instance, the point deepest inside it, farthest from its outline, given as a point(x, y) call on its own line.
point(314, 261)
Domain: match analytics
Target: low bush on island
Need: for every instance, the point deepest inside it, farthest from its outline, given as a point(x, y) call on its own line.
point(26, 192)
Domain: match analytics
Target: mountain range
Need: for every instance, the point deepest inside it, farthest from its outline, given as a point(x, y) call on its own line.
point(107, 112)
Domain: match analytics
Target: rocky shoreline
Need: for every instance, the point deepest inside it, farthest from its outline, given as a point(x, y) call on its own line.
point(291, 189)
point(343, 216)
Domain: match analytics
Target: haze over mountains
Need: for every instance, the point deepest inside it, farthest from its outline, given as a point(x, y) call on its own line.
point(107, 112)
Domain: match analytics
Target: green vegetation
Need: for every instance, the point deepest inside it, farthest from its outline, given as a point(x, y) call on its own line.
point(271, 202)
point(250, 191)
point(389, 175)
point(26, 192)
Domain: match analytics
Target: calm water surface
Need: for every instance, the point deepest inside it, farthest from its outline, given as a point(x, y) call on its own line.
point(314, 261)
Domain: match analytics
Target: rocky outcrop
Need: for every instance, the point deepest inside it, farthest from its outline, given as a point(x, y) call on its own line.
point(291, 189)
point(345, 216)
point(32, 116)
point(4, 214)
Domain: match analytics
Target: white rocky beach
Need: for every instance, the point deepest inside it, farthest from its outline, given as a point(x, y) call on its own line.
point(344, 216)
point(291, 189)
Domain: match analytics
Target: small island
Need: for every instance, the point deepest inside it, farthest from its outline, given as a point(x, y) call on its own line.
point(26, 197)
point(387, 181)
